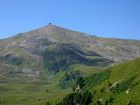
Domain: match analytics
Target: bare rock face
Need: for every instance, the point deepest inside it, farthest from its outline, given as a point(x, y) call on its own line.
point(53, 48)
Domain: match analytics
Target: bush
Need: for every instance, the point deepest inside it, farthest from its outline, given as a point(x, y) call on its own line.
point(70, 79)
point(81, 82)
point(97, 78)
point(83, 98)
point(124, 85)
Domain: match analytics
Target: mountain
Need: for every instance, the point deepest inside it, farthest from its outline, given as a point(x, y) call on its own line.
point(52, 49)
point(57, 66)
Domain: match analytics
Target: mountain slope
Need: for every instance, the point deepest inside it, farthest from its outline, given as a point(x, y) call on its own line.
point(52, 48)
point(118, 85)
point(40, 39)
point(100, 83)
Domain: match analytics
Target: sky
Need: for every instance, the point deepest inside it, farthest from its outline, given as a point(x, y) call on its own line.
point(105, 18)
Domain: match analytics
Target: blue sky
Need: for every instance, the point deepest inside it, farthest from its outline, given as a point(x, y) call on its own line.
point(106, 18)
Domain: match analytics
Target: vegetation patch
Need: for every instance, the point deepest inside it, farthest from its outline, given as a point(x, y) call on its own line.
point(69, 79)
point(60, 57)
point(11, 59)
point(77, 98)
point(119, 86)
point(96, 78)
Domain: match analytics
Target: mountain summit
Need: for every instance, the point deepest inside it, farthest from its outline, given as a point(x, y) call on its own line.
point(115, 49)
point(54, 48)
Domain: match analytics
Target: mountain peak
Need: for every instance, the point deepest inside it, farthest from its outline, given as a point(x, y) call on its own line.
point(50, 25)
point(49, 29)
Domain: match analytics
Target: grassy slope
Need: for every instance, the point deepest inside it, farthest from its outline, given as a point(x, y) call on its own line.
point(32, 94)
point(39, 94)
point(122, 72)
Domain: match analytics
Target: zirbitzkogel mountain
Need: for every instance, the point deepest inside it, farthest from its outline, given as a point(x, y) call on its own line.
point(53, 48)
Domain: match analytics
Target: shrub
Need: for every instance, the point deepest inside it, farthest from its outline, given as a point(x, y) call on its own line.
point(97, 78)
point(81, 82)
point(70, 79)
point(83, 98)
point(123, 85)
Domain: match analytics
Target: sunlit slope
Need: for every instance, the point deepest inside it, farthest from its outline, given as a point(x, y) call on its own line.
point(127, 91)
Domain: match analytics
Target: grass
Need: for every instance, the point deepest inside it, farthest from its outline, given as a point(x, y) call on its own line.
point(126, 77)
point(124, 73)
point(39, 94)
point(33, 94)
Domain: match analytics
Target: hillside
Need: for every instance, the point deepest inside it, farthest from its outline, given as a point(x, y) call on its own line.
point(28, 57)
point(117, 85)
